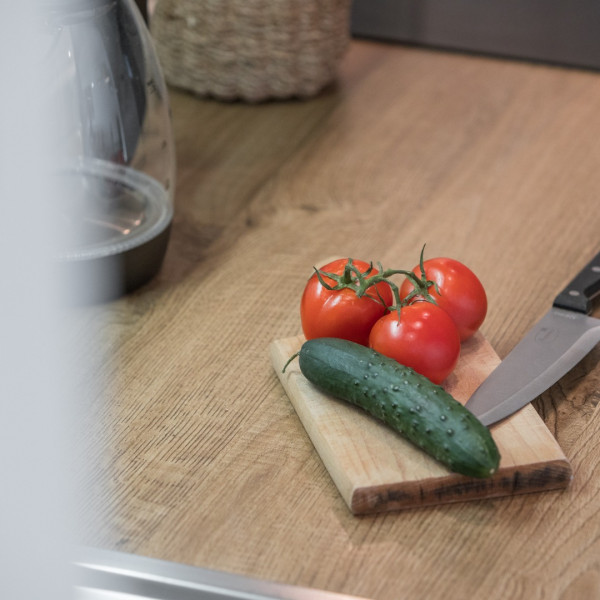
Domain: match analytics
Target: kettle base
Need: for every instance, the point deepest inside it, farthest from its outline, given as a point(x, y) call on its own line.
point(107, 278)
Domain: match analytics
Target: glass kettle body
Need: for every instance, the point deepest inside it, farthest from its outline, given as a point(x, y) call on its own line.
point(114, 146)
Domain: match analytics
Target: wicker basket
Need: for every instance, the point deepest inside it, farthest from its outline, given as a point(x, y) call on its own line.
point(251, 49)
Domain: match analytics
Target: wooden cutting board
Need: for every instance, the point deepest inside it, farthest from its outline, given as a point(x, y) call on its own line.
point(377, 470)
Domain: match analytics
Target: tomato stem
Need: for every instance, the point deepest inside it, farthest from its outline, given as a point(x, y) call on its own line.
point(352, 278)
point(426, 283)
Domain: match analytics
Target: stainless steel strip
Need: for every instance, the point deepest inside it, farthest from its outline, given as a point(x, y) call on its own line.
point(109, 575)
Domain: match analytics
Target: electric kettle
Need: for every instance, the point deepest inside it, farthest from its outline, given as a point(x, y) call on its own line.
point(114, 152)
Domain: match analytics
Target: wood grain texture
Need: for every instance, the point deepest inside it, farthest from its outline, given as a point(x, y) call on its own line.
point(196, 455)
point(376, 470)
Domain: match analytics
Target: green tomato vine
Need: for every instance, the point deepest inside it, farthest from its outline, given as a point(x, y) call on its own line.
point(361, 283)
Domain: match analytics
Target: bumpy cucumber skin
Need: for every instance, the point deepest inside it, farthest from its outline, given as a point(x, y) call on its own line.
point(419, 410)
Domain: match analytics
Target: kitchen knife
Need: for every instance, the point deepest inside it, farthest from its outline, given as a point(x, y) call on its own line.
point(551, 348)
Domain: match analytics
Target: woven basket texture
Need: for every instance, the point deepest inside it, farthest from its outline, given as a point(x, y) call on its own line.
point(252, 50)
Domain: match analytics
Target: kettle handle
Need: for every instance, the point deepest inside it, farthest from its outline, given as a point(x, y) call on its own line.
point(143, 8)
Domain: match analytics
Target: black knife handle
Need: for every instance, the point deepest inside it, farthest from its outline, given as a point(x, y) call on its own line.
point(578, 295)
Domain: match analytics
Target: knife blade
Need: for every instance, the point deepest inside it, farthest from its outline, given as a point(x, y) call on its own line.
point(555, 344)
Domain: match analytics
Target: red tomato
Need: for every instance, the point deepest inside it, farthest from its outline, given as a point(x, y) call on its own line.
point(461, 294)
point(342, 313)
point(425, 338)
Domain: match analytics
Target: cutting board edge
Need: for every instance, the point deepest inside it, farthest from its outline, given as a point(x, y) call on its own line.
point(531, 478)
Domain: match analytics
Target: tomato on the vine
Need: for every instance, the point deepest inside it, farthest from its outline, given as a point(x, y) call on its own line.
point(348, 311)
point(423, 337)
point(461, 294)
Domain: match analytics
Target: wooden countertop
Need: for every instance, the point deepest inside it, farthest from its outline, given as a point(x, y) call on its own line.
point(197, 454)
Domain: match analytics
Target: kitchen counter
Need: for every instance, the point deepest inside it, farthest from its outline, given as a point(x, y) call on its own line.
point(197, 455)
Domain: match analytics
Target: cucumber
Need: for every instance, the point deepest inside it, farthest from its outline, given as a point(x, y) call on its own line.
point(409, 403)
